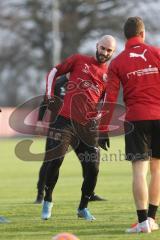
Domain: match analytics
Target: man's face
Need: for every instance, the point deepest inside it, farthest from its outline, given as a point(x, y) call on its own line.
point(104, 52)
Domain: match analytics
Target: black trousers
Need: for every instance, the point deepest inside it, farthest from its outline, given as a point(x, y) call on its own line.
point(83, 139)
point(79, 150)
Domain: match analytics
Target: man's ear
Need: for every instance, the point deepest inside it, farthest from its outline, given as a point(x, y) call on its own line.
point(142, 34)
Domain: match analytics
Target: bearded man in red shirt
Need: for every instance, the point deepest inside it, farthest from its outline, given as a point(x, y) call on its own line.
point(77, 120)
point(137, 68)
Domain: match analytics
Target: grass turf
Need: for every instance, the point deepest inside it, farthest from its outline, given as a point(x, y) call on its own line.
point(18, 190)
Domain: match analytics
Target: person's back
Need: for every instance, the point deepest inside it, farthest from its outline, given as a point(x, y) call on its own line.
point(140, 79)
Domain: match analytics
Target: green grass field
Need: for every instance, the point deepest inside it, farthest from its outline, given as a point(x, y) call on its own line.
point(18, 190)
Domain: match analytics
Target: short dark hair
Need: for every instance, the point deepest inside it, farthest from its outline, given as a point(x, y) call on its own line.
point(133, 27)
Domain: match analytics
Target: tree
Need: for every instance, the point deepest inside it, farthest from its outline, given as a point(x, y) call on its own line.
point(28, 53)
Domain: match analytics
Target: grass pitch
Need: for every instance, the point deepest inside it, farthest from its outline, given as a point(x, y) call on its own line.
point(18, 190)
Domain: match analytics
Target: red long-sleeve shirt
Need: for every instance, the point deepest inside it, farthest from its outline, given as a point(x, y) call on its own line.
point(137, 68)
point(86, 85)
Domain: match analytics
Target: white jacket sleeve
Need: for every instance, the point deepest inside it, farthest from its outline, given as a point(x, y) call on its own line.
point(50, 78)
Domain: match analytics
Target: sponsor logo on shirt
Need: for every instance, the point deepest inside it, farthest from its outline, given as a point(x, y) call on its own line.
point(135, 55)
point(86, 68)
point(144, 71)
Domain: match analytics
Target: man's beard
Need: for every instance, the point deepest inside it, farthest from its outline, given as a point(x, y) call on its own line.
point(101, 58)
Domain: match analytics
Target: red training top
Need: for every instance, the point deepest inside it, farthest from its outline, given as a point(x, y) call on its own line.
point(86, 85)
point(137, 68)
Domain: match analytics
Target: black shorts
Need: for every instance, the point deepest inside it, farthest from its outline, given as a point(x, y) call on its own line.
point(65, 132)
point(143, 141)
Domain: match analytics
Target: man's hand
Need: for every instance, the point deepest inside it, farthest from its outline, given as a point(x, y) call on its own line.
point(54, 104)
point(51, 103)
point(104, 142)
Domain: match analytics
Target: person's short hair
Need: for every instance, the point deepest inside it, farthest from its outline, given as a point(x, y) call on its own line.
point(133, 27)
